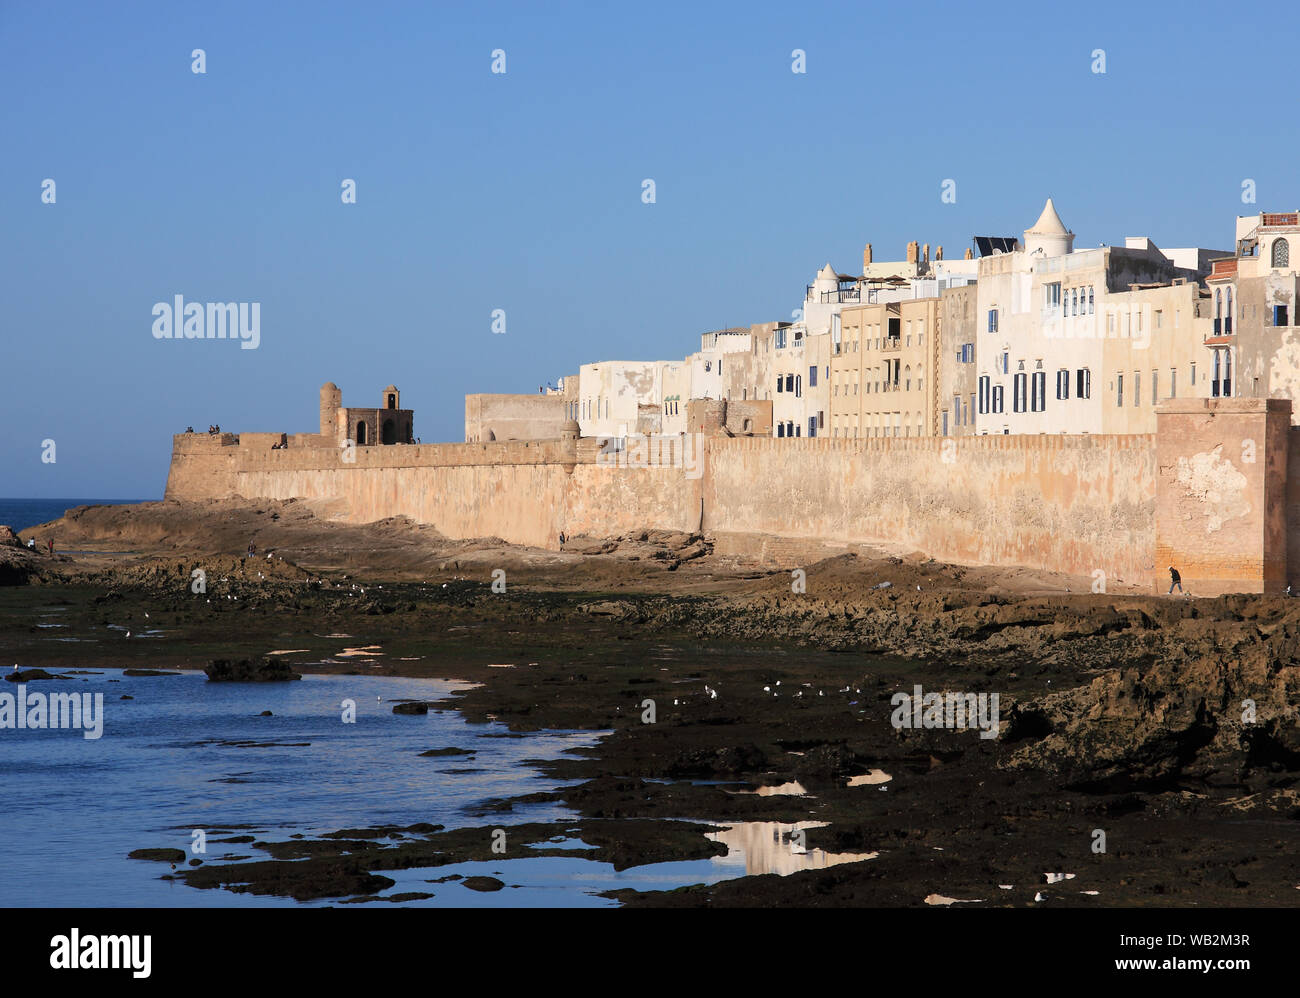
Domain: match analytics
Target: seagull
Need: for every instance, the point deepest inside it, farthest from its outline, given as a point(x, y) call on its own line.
point(128, 634)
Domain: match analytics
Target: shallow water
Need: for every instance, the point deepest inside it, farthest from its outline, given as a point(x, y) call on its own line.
point(169, 761)
point(185, 754)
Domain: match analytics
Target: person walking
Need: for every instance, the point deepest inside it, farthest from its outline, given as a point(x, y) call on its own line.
point(1175, 580)
point(50, 542)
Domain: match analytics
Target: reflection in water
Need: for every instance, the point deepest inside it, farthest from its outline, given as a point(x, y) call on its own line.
point(870, 779)
point(791, 789)
point(774, 847)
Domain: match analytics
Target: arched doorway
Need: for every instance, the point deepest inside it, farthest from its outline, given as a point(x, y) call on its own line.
point(388, 432)
point(361, 434)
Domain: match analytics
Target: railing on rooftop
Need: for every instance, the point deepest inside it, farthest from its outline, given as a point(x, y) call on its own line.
point(1280, 218)
point(841, 296)
point(1223, 268)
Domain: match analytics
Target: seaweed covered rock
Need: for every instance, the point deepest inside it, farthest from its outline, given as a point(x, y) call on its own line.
point(265, 670)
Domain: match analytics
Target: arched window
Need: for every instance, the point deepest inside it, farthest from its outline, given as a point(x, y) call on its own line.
point(1218, 303)
point(1281, 253)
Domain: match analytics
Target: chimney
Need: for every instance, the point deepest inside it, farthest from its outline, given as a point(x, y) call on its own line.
point(912, 251)
point(968, 254)
point(926, 251)
point(939, 254)
point(866, 258)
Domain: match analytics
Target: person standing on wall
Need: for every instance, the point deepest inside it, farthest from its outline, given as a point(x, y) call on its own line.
point(1175, 580)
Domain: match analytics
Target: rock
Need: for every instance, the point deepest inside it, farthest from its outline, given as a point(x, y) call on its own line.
point(412, 707)
point(446, 751)
point(148, 672)
point(485, 884)
point(264, 670)
point(159, 855)
point(266, 713)
point(27, 675)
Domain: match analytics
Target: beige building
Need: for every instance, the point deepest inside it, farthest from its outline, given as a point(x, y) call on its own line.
point(957, 372)
point(883, 380)
point(1253, 349)
point(1047, 315)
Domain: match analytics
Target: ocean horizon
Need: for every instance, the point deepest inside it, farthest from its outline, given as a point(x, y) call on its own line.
point(23, 513)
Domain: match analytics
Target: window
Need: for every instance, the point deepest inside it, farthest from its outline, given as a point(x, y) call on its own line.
point(1173, 382)
point(1090, 299)
point(798, 386)
point(1192, 379)
point(1155, 388)
point(780, 429)
point(1160, 318)
point(1137, 388)
point(1038, 386)
point(1281, 253)
point(780, 339)
point(945, 423)
point(993, 320)
point(1119, 389)
point(1227, 374)
point(1083, 383)
point(1227, 322)
point(812, 426)
point(789, 382)
point(956, 409)
point(1074, 301)
point(1279, 316)
point(970, 411)
point(984, 394)
point(1063, 384)
point(1018, 398)
point(1006, 363)
point(812, 377)
point(1052, 297)
point(779, 382)
point(997, 398)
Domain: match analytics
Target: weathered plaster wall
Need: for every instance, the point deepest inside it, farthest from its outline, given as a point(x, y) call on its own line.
point(1222, 487)
point(1125, 505)
point(1068, 504)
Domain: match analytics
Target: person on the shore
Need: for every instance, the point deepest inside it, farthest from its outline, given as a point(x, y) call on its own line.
point(562, 539)
point(1175, 580)
point(50, 543)
point(252, 549)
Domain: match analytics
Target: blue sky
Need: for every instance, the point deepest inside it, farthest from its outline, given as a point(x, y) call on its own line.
point(522, 191)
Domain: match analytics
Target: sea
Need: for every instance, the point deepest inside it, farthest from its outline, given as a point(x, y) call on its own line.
point(180, 761)
point(23, 513)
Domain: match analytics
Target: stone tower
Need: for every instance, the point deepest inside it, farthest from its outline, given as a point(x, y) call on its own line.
point(392, 398)
point(331, 400)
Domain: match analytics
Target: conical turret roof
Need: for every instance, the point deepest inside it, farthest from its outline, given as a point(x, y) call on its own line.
point(1049, 222)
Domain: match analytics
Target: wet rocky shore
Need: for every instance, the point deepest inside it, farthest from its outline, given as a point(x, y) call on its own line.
point(1147, 751)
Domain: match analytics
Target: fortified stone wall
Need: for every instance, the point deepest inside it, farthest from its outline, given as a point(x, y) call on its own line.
point(1214, 492)
point(1225, 494)
point(1071, 504)
point(514, 417)
point(1065, 504)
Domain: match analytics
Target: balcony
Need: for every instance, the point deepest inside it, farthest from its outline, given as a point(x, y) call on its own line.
point(1279, 218)
point(893, 343)
point(842, 296)
point(1223, 268)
